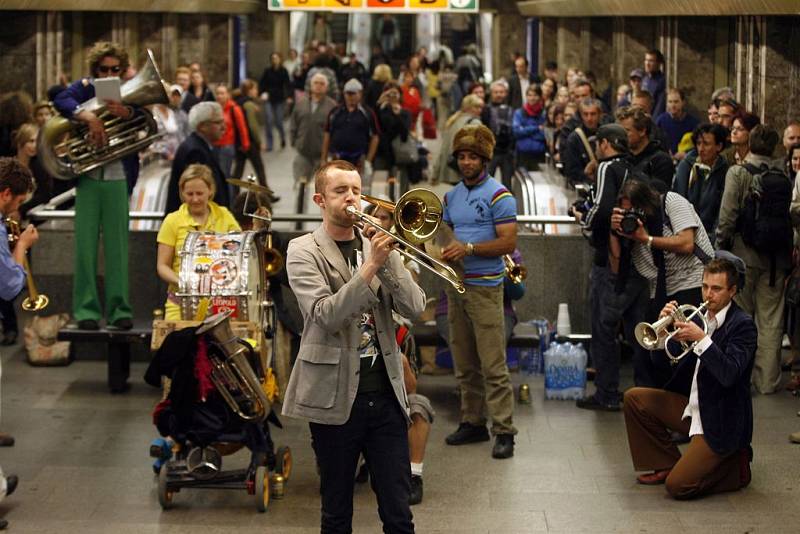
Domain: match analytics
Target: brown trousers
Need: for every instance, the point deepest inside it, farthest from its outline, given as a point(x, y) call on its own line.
point(650, 414)
point(478, 345)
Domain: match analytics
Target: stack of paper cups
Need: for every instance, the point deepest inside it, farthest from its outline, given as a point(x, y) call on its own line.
point(563, 328)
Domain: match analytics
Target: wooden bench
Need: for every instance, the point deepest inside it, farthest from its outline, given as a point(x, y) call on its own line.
point(119, 348)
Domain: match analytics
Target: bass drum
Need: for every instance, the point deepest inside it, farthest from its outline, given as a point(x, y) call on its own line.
point(226, 269)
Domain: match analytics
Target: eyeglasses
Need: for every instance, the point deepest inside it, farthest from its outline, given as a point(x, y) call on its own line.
point(116, 69)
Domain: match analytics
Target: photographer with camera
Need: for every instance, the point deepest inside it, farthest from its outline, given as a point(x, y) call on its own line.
point(613, 298)
point(670, 247)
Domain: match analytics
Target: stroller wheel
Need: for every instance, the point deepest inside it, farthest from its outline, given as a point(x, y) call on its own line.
point(164, 495)
point(283, 462)
point(262, 489)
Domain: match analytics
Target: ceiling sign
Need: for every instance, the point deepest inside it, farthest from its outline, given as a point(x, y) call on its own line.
point(377, 6)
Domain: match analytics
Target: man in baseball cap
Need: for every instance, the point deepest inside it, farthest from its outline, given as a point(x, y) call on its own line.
point(612, 171)
point(483, 215)
point(351, 133)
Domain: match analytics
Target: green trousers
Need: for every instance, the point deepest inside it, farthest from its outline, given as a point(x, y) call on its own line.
point(101, 205)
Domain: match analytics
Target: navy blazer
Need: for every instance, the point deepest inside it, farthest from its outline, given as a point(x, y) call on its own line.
point(195, 149)
point(723, 383)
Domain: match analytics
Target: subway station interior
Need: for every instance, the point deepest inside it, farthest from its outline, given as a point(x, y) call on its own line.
point(160, 368)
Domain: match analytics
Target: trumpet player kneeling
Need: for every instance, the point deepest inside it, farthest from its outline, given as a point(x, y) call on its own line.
point(707, 397)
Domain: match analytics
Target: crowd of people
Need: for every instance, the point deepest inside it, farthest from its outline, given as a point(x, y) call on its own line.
point(681, 211)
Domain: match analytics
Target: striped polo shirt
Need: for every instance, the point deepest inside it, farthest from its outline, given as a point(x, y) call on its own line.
point(473, 212)
point(684, 271)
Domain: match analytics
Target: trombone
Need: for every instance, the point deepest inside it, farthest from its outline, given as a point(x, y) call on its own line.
point(658, 335)
point(35, 301)
point(417, 215)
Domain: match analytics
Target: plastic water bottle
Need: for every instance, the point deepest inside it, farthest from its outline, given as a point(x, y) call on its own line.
point(537, 365)
point(525, 361)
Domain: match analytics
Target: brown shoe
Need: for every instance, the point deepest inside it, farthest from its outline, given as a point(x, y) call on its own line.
point(6, 440)
point(655, 478)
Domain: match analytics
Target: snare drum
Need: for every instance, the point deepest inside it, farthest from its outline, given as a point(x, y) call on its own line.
point(226, 269)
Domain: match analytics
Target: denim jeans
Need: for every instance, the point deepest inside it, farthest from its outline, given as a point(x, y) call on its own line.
point(377, 429)
point(273, 113)
point(608, 309)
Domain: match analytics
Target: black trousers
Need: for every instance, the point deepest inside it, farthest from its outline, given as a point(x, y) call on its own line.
point(8, 316)
point(609, 308)
point(378, 430)
point(254, 155)
point(505, 162)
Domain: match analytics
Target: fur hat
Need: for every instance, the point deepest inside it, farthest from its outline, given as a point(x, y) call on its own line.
point(476, 138)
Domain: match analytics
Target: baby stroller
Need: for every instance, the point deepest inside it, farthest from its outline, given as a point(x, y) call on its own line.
point(215, 406)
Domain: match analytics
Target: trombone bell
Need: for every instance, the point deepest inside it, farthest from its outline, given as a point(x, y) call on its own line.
point(417, 214)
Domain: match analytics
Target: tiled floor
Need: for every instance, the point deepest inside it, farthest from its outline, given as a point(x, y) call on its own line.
point(81, 455)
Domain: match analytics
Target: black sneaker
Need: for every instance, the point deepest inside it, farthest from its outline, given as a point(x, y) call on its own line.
point(416, 490)
point(591, 403)
point(503, 446)
point(88, 324)
point(11, 484)
point(121, 324)
point(467, 433)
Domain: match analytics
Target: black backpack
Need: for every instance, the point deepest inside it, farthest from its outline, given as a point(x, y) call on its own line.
point(764, 222)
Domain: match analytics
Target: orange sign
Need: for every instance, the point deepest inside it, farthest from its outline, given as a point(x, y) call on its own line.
point(428, 4)
point(373, 6)
point(387, 3)
point(342, 3)
point(289, 4)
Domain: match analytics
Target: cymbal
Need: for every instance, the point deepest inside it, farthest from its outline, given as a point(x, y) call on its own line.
point(248, 185)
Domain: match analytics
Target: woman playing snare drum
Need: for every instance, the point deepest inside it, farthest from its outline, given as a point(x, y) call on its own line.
point(197, 213)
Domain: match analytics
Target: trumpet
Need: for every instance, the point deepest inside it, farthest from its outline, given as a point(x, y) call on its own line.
point(35, 301)
point(658, 335)
point(514, 271)
point(417, 215)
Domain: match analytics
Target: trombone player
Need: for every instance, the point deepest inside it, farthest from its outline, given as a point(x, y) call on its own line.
point(101, 202)
point(707, 397)
point(348, 377)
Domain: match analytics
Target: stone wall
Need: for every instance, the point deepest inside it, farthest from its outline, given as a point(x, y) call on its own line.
point(18, 52)
point(558, 271)
point(35, 47)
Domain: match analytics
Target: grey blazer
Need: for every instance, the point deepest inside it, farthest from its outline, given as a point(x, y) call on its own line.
point(324, 380)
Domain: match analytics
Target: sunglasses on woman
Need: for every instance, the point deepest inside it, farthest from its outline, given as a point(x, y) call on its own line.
point(106, 70)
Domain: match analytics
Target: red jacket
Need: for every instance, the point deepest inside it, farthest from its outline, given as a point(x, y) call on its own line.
point(232, 112)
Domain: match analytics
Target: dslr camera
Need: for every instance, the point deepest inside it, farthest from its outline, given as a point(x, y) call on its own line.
point(584, 202)
point(630, 220)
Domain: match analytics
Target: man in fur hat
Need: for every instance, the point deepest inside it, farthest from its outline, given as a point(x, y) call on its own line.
point(483, 215)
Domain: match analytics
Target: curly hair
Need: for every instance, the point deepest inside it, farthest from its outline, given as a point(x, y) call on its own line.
point(103, 49)
point(641, 119)
point(15, 177)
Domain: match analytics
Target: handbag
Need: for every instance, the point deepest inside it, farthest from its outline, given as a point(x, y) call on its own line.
point(405, 152)
point(428, 124)
point(41, 340)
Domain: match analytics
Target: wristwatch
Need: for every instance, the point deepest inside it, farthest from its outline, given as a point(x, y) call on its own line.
point(649, 241)
point(470, 248)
